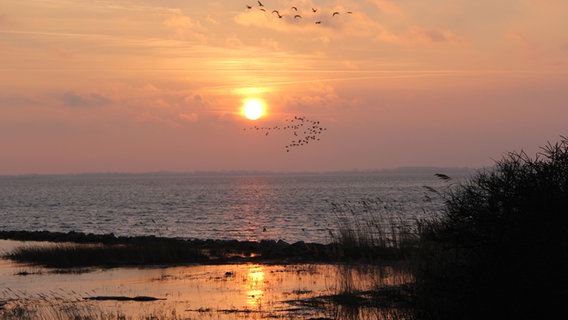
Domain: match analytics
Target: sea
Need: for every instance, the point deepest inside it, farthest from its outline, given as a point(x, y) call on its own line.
point(252, 206)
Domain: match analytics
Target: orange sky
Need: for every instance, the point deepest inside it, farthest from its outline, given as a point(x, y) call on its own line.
point(152, 85)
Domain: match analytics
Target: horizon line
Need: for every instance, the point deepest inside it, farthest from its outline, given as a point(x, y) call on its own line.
point(402, 169)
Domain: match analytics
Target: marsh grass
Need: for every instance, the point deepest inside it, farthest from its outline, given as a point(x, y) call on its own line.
point(155, 252)
point(370, 230)
point(50, 309)
point(373, 241)
point(389, 303)
point(60, 250)
point(497, 249)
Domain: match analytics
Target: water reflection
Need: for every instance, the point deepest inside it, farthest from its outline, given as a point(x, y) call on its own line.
point(250, 214)
point(240, 291)
point(255, 286)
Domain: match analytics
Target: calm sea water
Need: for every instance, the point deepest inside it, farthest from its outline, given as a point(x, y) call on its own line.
point(290, 207)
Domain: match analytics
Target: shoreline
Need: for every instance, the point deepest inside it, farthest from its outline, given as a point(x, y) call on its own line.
point(179, 251)
point(270, 278)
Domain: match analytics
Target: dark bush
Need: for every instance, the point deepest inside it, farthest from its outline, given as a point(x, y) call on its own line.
point(500, 250)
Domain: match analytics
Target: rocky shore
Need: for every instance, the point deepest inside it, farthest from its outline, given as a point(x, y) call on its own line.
point(212, 251)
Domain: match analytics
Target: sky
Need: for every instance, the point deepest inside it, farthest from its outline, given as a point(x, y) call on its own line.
point(159, 85)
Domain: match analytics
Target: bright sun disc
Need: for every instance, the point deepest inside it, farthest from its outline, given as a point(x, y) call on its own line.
point(253, 109)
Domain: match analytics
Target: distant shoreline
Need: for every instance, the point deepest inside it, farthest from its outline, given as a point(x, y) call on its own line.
point(221, 173)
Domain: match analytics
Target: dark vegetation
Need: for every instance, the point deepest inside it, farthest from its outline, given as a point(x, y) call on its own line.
point(370, 231)
point(501, 248)
point(498, 249)
point(80, 250)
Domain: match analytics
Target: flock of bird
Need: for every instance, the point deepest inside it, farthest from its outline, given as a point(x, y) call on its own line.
point(304, 131)
point(294, 11)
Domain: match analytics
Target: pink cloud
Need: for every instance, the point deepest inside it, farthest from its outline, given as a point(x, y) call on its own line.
point(62, 54)
point(72, 99)
point(387, 7)
point(524, 47)
point(433, 35)
point(183, 25)
point(191, 117)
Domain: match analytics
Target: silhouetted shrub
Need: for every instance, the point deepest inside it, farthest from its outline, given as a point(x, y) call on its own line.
point(501, 248)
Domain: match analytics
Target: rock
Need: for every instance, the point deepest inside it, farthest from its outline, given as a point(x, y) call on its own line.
point(123, 298)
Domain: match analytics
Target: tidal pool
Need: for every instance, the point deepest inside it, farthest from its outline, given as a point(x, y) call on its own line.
point(233, 291)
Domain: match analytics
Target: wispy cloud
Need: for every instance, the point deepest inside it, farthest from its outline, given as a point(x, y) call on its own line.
point(183, 25)
point(388, 7)
point(433, 35)
point(14, 100)
point(72, 99)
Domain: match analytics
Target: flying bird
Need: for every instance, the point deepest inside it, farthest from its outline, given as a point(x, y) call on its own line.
point(333, 15)
point(318, 22)
point(314, 10)
point(260, 4)
point(297, 16)
point(294, 8)
point(278, 13)
point(249, 7)
point(442, 176)
point(303, 131)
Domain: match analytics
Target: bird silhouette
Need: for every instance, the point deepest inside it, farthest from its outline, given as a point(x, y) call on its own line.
point(314, 10)
point(297, 16)
point(249, 7)
point(294, 8)
point(335, 13)
point(318, 22)
point(442, 176)
point(260, 4)
point(304, 131)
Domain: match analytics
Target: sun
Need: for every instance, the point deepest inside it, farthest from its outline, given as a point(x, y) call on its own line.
point(253, 108)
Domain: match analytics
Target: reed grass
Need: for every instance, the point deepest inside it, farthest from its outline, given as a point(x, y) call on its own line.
point(373, 242)
point(157, 252)
point(369, 230)
point(76, 250)
point(71, 310)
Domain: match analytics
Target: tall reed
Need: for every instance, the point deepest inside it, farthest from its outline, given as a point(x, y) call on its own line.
point(370, 230)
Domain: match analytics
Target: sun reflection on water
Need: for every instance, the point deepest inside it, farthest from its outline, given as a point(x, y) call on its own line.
point(255, 286)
